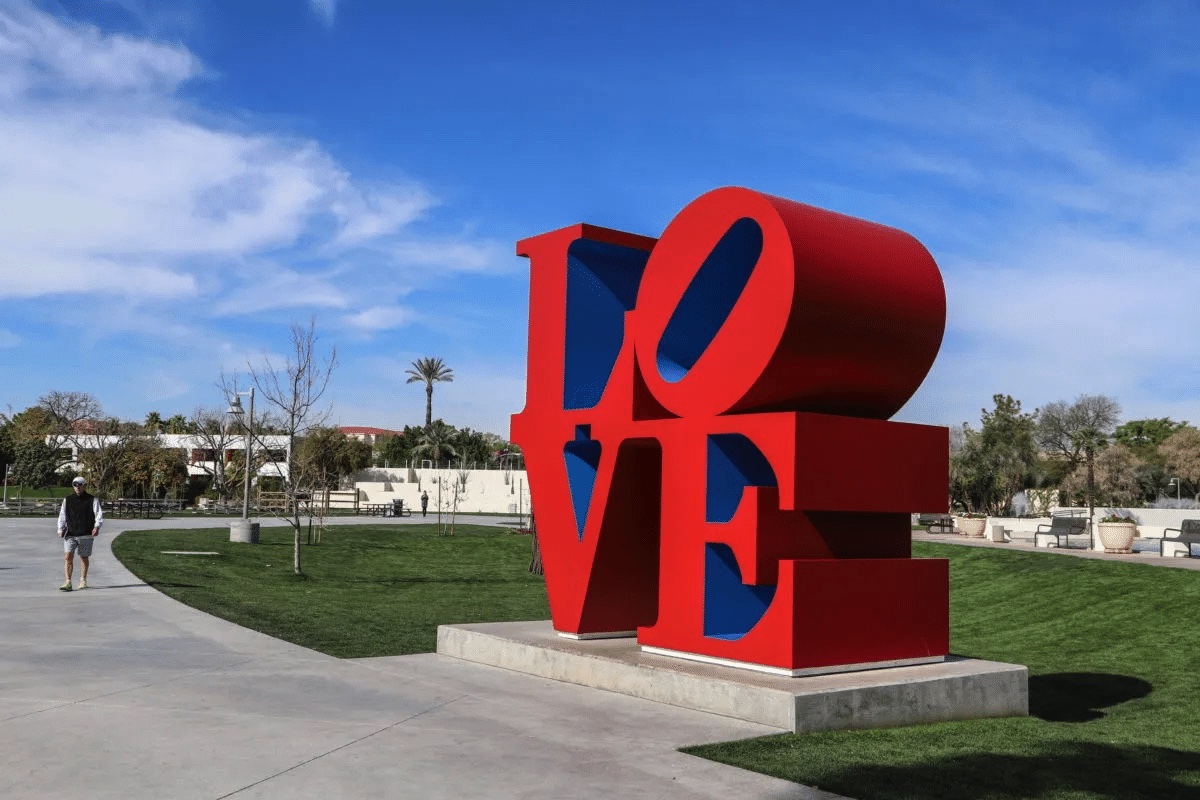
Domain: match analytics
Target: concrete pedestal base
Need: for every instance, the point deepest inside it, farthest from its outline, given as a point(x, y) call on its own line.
point(243, 530)
point(958, 688)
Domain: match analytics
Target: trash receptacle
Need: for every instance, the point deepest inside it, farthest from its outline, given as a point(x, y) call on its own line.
point(397, 508)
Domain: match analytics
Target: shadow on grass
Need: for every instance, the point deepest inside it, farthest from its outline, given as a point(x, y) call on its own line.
point(1079, 768)
point(462, 581)
point(1079, 696)
point(167, 585)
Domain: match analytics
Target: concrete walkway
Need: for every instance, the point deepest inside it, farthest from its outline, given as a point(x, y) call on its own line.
point(121, 692)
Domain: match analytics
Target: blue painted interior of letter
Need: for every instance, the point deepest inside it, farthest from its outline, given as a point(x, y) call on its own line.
point(731, 608)
point(582, 457)
point(733, 464)
point(709, 298)
point(602, 284)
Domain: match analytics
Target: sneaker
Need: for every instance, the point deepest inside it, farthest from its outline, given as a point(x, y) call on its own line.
point(66, 587)
point(82, 585)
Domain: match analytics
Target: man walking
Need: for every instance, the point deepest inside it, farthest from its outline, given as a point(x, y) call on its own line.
point(424, 503)
point(79, 522)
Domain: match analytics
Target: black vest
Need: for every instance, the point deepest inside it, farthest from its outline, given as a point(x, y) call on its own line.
point(81, 516)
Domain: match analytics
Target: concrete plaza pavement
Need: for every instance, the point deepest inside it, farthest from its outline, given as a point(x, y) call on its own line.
point(121, 692)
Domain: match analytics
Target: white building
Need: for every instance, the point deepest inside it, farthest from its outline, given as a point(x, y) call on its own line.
point(198, 450)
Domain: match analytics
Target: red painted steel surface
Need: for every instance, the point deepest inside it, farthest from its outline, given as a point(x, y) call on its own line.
point(801, 331)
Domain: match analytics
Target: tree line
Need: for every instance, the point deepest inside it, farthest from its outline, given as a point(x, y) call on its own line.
point(442, 444)
point(1080, 449)
point(121, 458)
point(128, 459)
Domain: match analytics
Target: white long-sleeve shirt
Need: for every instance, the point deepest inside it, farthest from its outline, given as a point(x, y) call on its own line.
point(96, 510)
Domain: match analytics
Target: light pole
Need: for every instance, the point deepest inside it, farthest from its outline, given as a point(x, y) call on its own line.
point(7, 472)
point(244, 530)
point(235, 411)
point(1178, 483)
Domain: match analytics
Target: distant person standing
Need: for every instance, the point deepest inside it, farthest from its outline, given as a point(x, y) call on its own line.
point(424, 503)
point(79, 522)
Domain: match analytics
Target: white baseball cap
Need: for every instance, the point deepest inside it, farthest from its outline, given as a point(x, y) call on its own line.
point(78, 482)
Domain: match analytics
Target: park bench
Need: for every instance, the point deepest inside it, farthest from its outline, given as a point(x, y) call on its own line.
point(137, 508)
point(31, 507)
point(1189, 534)
point(937, 523)
point(374, 509)
point(1061, 529)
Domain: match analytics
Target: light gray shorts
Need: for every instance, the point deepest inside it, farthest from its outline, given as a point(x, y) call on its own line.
point(80, 544)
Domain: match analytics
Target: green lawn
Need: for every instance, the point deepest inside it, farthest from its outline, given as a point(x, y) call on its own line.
point(1114, 656)
point(369, 590)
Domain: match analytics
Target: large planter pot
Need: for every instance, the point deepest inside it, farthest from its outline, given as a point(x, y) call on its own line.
point(970, 526)
point(1117, 537)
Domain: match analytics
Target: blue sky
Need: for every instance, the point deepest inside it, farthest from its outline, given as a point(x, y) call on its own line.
point(181, 180)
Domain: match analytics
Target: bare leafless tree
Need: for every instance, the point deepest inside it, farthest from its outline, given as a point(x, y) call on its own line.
point(212, 434)
point(68, 409)
point(73, 416)
point(458, 494)
point(293, 392)
point(535, 556)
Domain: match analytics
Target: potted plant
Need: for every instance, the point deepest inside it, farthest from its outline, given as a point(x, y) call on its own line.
point(971, 523)
point(1117, 533)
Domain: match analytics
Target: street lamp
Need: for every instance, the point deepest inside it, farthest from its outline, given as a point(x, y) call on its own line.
point(245, 530)
point(7, 472)
point(1177, 483)
point(235, 411)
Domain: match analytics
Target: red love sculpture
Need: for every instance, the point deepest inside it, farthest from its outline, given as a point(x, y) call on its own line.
point(706, 438)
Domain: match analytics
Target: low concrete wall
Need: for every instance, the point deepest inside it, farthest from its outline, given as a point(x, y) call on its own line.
point(487, 491)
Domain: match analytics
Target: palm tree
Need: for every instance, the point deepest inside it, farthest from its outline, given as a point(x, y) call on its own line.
point(438, 441)
point(430, 370)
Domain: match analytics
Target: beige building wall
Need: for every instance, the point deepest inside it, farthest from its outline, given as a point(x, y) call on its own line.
point(487, 491)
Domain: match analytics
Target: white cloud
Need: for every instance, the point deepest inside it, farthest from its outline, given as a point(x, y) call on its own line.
point(164, 384)
point(38, 51)
point(34, 273)
point(267, 286)
point(325, 9)
point(368, 215)
point(455, 256)
point(381, 318)
point(109, 183)
point(8, 338)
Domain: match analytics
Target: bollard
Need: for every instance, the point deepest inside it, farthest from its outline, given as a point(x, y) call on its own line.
point(243, 530)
